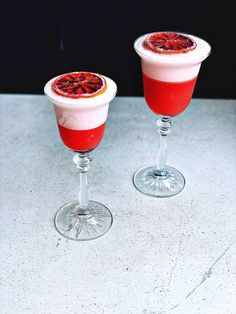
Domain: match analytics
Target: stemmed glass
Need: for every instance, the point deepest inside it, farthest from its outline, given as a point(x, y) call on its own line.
point(170, 65)
point(81, 124)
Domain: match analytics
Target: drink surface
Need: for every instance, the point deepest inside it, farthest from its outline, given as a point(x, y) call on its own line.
point(169, 78)
point(81, 102)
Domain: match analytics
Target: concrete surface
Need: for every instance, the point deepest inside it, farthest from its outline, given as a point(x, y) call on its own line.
point(174, 255)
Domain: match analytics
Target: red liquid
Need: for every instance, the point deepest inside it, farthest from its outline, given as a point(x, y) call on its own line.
point(81, 140)
point(167, 98)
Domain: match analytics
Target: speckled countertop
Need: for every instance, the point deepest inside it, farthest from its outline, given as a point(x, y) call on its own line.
point(174, 255)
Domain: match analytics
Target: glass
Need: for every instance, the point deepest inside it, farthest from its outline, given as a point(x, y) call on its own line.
point(81, 124)
point(168, 83)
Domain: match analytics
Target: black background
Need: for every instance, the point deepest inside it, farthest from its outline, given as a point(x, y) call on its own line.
point(41, 39)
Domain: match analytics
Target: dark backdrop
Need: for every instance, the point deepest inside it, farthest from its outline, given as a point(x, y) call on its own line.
point(41, 39)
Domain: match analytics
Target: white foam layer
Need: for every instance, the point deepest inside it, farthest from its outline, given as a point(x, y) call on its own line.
point(82, 113)
point(172, 67)
point(76, 119)
point(170, 73)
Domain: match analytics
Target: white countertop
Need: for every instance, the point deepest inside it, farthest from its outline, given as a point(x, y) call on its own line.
point(175, 255)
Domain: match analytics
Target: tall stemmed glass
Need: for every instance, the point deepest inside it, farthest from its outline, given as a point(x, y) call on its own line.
point(170, 65)
point(81, 101)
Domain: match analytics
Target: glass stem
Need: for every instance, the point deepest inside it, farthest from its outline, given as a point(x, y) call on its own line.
point(83, 190)
point(164, 124)
point(82, 161)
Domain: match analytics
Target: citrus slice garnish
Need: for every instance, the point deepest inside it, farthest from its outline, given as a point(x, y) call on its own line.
point(79, 85)
point(169, 43)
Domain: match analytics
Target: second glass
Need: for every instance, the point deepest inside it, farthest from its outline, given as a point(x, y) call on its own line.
point(170, 66)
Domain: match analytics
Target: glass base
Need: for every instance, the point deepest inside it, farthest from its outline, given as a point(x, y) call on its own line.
point(74, 224)
point(149, 182)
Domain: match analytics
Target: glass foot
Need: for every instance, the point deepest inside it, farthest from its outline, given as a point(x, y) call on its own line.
point(73, 224)
point(150, 183)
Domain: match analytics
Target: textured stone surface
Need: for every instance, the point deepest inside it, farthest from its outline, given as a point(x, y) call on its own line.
point(174, 255)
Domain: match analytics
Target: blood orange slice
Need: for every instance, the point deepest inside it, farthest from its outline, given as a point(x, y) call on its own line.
point(79, 85)
point(169, 43)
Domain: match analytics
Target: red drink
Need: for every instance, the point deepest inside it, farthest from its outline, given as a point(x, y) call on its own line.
point(81, 140)
point(168, 98)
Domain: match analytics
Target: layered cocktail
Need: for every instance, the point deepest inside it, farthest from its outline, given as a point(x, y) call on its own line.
point(170, 66)
point(81, 101)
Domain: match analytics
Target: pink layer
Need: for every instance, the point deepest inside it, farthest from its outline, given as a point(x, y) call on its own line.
point(81, 118)
point(170, 72)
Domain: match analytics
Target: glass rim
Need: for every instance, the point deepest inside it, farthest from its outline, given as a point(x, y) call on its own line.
point(198, 59)
point(60, 100)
